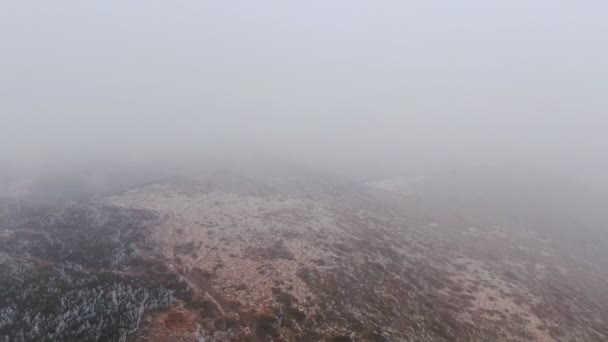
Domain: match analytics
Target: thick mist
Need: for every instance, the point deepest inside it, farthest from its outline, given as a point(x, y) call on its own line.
point(337, 171)
point(355, 87)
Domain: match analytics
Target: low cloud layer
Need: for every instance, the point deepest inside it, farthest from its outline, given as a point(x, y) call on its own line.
point(345, 85)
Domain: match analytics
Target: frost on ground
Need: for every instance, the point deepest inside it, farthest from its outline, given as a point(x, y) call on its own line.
point(61, 275)
point(224, 257)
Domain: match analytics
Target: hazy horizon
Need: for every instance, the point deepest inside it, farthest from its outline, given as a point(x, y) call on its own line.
point(342, 85)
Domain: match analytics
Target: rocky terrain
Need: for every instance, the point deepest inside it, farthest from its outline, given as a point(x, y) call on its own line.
point(230, 257)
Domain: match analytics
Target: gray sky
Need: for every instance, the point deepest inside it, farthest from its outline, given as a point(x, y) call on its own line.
point(346, 83)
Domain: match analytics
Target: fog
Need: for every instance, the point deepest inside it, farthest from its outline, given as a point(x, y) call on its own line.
point(337, 170)
point(355, 87)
